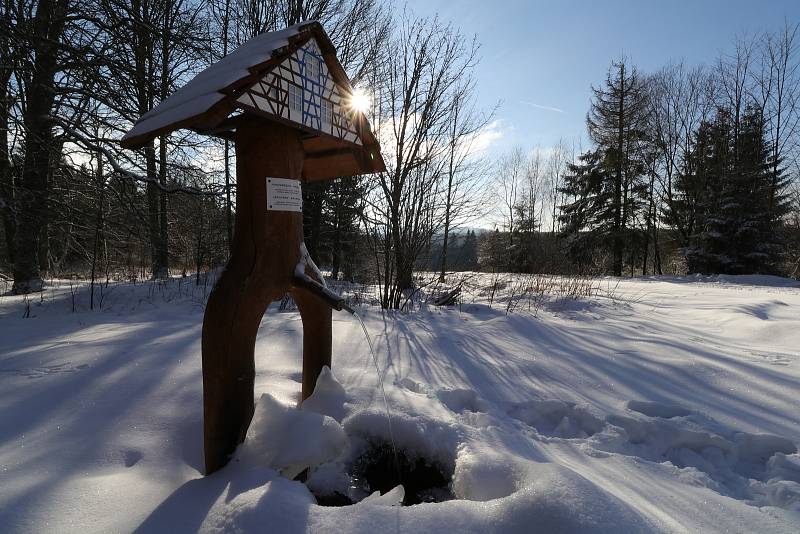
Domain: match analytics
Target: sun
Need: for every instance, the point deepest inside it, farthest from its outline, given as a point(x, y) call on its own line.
point(360, 101)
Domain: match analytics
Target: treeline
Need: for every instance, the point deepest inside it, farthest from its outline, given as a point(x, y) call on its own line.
point(690, 170)
point(463, 252)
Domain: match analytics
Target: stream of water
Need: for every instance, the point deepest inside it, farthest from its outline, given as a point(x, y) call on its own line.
point(383, 391)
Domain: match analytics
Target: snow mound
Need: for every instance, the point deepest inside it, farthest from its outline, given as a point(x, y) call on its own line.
point(557, 418)
point(765, 280)
point(290, 440)
point(557, 499)
point(760, 469)
point(412, 385)
point(329, 478)
point(272, 505)
point(328, 397)
point(483, 475)
point(461, 400)
point(554, 499)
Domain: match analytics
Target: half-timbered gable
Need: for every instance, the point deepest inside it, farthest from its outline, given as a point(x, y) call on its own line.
point(301, 90)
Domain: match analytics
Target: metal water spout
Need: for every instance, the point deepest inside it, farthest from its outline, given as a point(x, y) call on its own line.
point(329, 297)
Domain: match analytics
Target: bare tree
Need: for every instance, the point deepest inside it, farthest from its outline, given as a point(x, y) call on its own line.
point(735, 84)
point(530, 212)
point(153, 47)
point(778, 93)
point(463, 196)
point(509, 180)
point(556, 166)
point(680, 100)
point(415, 95)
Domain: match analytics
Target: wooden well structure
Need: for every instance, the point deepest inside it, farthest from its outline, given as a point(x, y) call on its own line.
point(283, 99)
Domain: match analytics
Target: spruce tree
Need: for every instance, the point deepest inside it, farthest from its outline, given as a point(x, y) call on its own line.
point(587, 220)
point(757, 241)
point(617, 123)
point(708, 251)
point(739, 212)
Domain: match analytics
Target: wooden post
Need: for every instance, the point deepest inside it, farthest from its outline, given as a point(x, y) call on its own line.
point(266, 249)
point(317, 337)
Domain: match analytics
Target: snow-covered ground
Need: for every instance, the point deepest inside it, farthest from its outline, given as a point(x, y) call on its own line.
point(672, 407)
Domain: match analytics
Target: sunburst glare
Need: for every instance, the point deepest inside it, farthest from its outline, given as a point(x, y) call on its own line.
point(360, 101)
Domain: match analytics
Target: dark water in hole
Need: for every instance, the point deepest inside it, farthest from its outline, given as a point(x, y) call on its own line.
point(375, 470)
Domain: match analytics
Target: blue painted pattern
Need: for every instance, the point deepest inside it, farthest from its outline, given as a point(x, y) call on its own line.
point(315, 76)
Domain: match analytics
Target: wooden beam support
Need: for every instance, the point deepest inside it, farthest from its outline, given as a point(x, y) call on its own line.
point(266, 249)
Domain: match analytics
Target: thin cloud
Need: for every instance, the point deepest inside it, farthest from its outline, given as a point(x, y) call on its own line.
point(539, 106)
point(486, 137)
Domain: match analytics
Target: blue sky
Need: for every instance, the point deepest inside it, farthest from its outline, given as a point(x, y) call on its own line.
point(540, 58)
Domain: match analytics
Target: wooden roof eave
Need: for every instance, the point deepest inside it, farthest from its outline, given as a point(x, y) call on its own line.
point(198, 123)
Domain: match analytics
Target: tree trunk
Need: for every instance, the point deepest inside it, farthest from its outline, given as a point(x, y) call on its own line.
point(648, 226)
point(48, 26)
point(228, 210)
point(656, 251)
point(336, 252)
point(199, 244)
point(448, 207)
point(618, 219)
point(163, 229)
point(98, 227)
point(312, 212)
point(645, 251)
point(43, 251)
point(7, 201)
point(443, 266)
point(154, 228)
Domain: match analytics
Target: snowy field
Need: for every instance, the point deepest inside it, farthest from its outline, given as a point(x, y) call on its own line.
point(672, 407)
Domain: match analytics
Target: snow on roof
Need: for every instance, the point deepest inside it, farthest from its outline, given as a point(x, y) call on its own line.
point(203, 91)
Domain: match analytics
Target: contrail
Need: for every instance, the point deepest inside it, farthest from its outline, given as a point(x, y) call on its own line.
point(539, 106)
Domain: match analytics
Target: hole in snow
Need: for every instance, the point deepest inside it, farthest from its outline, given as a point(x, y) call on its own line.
point(374, 470)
